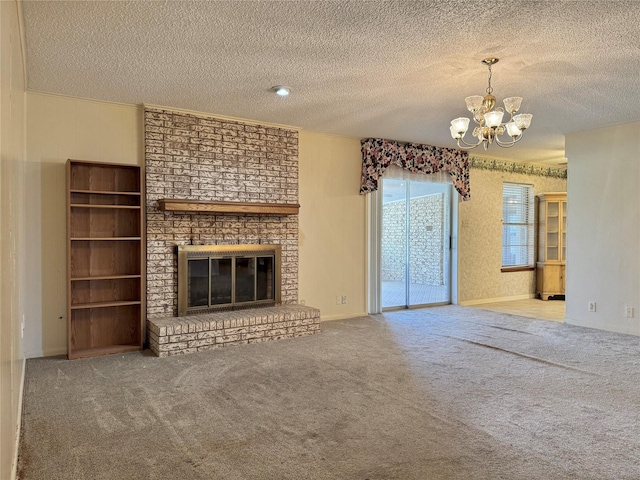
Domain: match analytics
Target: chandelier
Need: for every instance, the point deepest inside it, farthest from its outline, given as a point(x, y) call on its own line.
point(489, 127)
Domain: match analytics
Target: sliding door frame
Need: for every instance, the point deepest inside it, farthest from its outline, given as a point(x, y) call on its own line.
point(374, 252)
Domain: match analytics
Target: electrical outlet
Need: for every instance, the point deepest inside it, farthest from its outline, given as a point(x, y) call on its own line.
point(338, 299)
point(628, 312)
point(592, 306)
point(344, 299)
point(303, 302)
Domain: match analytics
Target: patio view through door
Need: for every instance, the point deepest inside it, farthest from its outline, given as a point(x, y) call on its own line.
point(415, 245)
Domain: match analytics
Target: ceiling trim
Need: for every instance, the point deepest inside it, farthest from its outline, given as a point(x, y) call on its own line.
point(222, 117)
point(86, 99)
point(23, 40)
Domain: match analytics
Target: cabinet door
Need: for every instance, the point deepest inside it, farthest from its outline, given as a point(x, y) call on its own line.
point(553, 279)
point(553, 225)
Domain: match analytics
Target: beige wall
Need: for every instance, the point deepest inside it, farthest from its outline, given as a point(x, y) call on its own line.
point(59, 128)
point(603, 234)
point(480, 238)
point(332, 225)
point(332, 221)
point(332, 217)
point(12, 223)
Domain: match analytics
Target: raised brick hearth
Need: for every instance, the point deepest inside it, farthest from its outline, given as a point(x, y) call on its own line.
point(195, 333)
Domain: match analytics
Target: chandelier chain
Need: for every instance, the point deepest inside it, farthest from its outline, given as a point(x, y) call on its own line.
point(489, 88)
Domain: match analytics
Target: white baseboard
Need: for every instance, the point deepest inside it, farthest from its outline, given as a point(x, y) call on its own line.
point(52, 352)
point(469, 303)
point(36, 354)
point(329, 318)
point(14, 466)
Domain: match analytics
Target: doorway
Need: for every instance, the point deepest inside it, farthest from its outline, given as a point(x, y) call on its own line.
point(415, 243)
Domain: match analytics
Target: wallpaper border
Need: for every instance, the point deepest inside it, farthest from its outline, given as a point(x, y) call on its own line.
point(516, 167)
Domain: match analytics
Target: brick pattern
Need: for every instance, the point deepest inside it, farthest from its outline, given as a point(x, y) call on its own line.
point(425, 236)
point(394, 244)
point(195, 333)
point(199, 157)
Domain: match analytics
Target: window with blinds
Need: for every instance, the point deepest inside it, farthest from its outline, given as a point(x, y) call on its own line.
point(517, 225)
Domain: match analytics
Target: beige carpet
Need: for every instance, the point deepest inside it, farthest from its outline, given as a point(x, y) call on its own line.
point(440, 393)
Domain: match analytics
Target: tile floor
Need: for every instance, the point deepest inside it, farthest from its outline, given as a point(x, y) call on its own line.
point(394, 294)
point(530, 307)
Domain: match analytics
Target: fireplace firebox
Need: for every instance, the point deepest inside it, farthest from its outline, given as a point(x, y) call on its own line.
point(227, 277)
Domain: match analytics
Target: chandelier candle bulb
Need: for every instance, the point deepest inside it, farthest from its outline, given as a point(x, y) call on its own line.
point(494, 118)
point(523, 120)
point(512, 104)
point(474, 102)
point(489, 125)
point(513, 130)
point(454, 133)
point(460, 125)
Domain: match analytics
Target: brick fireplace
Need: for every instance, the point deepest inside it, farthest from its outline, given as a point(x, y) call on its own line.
point(201, 158)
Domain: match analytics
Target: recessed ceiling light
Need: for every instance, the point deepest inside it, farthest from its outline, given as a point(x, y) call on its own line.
point(281, 90)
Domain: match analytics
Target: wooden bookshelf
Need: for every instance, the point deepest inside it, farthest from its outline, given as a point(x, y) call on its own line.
point(105, 254)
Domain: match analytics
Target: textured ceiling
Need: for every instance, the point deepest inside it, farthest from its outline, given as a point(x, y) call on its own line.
point(392, 69)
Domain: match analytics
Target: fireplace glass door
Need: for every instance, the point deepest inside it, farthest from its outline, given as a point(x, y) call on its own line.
point(230, 281)
point(199, 282)
point(245, 279)
point(265, 270)
point(226, 277)
point(221, 286)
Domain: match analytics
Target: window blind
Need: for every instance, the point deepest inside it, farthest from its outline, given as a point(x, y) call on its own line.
point(517, 225)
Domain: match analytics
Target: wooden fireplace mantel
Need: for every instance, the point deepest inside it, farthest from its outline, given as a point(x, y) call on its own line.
point(206, 206)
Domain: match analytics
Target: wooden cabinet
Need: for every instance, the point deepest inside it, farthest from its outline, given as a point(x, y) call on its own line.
point(105, 269)
point(552, 244)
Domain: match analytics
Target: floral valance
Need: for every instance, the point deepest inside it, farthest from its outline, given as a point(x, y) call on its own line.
point(378, 154)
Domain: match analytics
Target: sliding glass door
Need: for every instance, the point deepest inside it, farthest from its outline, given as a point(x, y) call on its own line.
point(415, 243)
